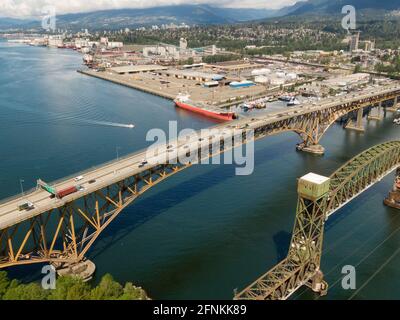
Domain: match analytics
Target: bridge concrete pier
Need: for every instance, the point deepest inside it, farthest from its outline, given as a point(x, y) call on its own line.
point(318, 284)
point(395, 106)
point(393, 199)
point(358, 125)
point(84, 269)
point(314, 149)
point(377, 115)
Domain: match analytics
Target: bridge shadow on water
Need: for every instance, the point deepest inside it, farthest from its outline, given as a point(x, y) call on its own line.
point(379, 190)
point(154, 202)
point(282, 242)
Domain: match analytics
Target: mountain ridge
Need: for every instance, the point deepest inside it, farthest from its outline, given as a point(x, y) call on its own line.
point(131, 18)
point(202, 15)
point(314, 7)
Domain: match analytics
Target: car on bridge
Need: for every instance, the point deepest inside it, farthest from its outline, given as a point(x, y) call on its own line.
point(26, 206)
point(143, 163)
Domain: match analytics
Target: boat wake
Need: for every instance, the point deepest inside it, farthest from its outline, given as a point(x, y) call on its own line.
point(52, 117)
point(109, 124)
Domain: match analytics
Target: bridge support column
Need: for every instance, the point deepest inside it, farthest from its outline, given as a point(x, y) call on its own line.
point(358, 126)
point(393, 199)
point(302, 264)
point(83, 269)
point(318, 284)
point(394, 107)
point(377, 115)
point(315, 149)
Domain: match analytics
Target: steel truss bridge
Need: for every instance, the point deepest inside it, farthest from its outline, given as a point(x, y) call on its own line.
point(63, 230)
point(302, 264)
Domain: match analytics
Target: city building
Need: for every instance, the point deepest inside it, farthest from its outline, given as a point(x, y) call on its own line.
point(354, 41)
point(183, 44)
point(369, 45)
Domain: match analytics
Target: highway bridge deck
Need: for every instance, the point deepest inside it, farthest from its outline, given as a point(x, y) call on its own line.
point(128, 166)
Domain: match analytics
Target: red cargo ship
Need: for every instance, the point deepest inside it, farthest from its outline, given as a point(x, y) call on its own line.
point(184, 102)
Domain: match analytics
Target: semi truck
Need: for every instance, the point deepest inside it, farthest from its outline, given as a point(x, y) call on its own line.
point(66, 192)
point(58, 194)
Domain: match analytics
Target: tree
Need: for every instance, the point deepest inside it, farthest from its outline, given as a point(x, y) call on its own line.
point(190, 61)
point(107, 289)
point(31, 291)
point(4, 283)
point(357, 68)
point(70, 288)
point(133, 293)
point(220, 58)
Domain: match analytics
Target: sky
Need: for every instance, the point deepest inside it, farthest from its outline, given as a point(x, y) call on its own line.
point(37, 8)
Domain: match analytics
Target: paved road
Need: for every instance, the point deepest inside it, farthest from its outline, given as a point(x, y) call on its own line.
point(131, 165)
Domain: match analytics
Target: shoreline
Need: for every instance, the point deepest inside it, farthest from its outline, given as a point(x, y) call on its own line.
point(102, 76)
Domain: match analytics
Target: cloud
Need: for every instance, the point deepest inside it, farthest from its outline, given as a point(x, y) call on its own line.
point(34, 8)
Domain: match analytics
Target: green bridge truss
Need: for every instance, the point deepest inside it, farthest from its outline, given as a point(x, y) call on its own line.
point(302, 264)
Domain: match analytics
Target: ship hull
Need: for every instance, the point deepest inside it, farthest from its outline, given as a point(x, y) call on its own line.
point(224, 116)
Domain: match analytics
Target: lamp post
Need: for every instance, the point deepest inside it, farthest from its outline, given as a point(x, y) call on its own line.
point(117, 149)
point(21, 181)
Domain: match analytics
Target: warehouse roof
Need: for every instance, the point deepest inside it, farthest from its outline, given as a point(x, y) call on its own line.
point(138, 68)
point(195, 74)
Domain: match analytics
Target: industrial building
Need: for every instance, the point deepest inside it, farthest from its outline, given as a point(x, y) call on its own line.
point(354, 41)
point(241, 84)
point(344, 82)
point(192, 75)
point(338, 83)
point(234, 66)
point(137, 69)
point(369, 45)
point(56, 41)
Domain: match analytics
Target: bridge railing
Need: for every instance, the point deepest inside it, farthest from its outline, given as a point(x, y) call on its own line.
point(29, 192)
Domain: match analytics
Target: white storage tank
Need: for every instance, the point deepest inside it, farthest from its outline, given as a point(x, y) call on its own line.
point(280, 74)
point(277, 81)
point(262, 79)
point(291, 76)
point(260, 72)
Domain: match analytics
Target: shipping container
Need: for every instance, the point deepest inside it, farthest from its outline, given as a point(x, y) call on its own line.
point(43, 185)
point(66, 192)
